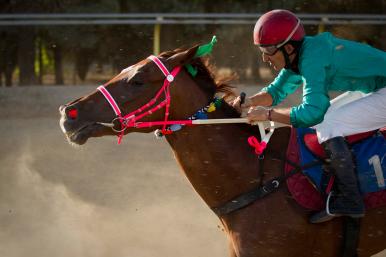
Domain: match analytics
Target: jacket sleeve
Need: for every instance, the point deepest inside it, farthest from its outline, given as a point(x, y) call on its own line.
point(311, 111)
point(316, 100)
point(284, 84)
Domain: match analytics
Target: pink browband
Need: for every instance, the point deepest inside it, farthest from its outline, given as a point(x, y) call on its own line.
point(131, 119)
point(111, 100)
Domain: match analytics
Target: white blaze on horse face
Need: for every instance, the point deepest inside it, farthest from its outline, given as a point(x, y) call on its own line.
point(61, 123)
point(127, 69)
point(130, 71)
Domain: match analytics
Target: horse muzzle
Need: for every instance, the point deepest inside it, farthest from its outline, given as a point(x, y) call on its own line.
point(68, 118)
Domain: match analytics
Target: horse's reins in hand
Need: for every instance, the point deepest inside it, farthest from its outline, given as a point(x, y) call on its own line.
point(131, 120)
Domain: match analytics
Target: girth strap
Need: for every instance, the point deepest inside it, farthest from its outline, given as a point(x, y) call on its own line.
point(269, 187)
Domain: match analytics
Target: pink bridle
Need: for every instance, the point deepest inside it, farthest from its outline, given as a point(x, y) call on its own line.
point(131, 119)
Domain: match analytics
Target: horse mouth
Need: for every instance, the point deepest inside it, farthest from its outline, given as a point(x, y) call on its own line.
point(82, 134)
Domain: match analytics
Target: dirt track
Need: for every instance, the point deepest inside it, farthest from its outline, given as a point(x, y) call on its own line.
point(98, 200)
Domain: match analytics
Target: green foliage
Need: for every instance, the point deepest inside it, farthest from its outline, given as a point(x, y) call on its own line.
point(46, 59)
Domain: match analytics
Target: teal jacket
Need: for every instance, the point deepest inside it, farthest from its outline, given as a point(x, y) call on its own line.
point(328, 63)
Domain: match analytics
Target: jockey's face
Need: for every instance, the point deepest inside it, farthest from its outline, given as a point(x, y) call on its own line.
point(277, 60)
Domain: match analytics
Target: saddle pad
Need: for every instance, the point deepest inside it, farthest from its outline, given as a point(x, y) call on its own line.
point(306, 195)
point(369, 158)
point(312, 144)
point(302, 190)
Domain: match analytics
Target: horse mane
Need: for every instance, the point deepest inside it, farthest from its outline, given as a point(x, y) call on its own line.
point(206, 78)
point(215, 84)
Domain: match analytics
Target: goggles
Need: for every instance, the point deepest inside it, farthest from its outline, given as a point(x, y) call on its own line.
point(271, 50)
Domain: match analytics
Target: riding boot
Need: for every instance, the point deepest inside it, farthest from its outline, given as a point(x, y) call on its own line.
point(345, 199)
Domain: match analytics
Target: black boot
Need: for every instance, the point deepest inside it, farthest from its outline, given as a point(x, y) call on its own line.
point(346, 199)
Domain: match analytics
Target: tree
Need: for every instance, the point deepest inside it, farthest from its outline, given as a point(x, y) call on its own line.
point(25, 42)
point(8, 56)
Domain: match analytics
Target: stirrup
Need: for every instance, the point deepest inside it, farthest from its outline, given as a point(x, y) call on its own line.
point(324, 215)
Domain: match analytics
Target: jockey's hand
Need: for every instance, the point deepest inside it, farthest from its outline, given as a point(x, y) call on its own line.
point(256, 114)
point(242, 108)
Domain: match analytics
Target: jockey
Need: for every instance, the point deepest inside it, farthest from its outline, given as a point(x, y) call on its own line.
point(319, 64)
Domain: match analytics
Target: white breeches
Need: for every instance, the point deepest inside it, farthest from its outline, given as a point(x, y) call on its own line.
point(345, 117)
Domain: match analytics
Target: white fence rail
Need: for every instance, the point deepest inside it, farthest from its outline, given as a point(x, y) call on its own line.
point(176, 18)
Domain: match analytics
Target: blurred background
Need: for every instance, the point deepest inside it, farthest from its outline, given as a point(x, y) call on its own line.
point(73, 42)
point(101, 199)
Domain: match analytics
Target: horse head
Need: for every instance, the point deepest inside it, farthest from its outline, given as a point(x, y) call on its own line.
point(140, 90)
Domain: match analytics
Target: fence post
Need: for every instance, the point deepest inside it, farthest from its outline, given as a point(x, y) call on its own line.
point(157, 37)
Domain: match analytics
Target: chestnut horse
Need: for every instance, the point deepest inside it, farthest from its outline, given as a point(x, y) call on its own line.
point(217, 160)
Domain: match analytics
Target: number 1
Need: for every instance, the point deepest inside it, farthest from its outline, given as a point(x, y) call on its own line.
point(376, 162)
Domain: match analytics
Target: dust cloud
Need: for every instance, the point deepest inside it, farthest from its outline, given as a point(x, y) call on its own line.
point(98, 200)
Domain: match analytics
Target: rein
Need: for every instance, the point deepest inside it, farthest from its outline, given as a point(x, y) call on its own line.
point(132, 120)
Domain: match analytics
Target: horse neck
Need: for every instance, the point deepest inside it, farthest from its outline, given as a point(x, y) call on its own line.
point(217, 159)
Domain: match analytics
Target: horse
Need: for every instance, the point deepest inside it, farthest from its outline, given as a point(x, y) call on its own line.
point(215, 158)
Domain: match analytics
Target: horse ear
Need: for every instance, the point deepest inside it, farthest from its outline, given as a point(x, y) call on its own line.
point(182, 58)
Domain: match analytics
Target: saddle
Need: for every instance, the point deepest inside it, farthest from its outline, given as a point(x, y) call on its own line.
point(311, 187)
point(311, 141)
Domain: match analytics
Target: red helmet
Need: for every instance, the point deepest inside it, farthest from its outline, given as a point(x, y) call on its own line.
point(277, 27)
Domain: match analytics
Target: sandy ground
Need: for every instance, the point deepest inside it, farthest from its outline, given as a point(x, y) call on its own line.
point(98, 200)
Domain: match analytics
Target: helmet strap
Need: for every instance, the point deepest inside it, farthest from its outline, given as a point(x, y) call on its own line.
point(286, 58)
point(294, 64)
